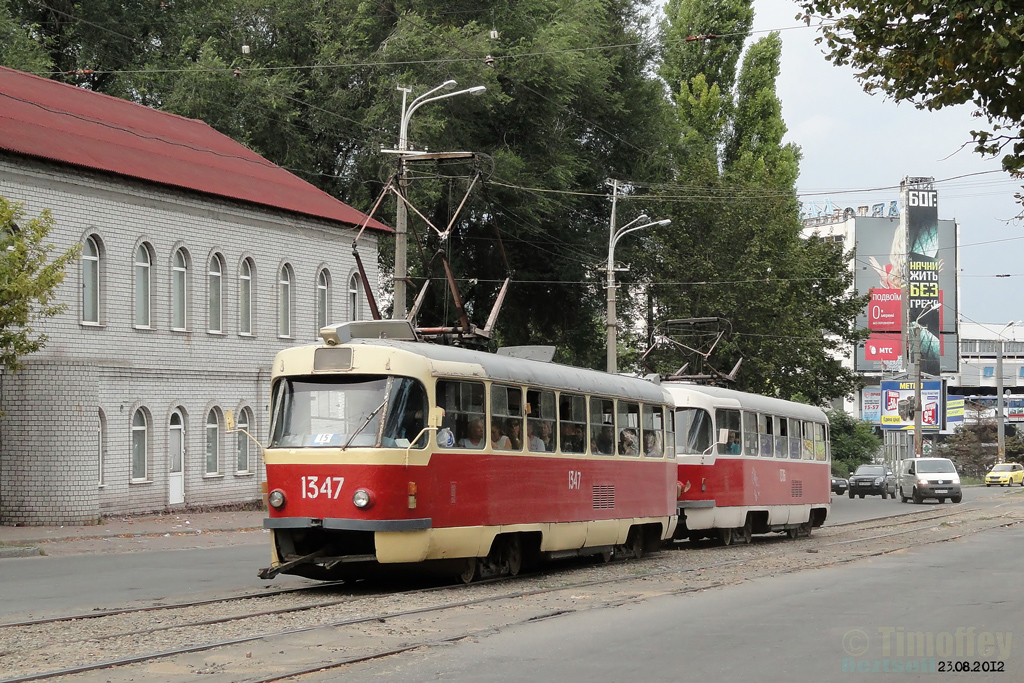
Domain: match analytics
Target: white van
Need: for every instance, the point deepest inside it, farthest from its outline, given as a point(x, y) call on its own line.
point(922, 478)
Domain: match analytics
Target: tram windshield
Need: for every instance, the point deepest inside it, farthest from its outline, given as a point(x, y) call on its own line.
point(358, 411)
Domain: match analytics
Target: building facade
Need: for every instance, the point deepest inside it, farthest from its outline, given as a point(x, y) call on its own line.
point(180, 300)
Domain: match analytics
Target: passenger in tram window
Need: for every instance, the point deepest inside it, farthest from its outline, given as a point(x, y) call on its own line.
point(652, 444)
point(534, 442)
point(572, 441)
point(627, 442)
point(605, 441)
point(498, 440)
point(546, 436)
point(475, 434)
point(734, 443)
point(515, 436)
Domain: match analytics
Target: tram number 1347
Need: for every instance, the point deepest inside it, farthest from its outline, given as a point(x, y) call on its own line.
point(574, 479)
point(331, 487)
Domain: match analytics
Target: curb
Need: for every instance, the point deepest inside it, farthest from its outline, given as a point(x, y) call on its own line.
point(19, 551)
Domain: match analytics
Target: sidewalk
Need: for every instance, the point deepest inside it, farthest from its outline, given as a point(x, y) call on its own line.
point(25, 541)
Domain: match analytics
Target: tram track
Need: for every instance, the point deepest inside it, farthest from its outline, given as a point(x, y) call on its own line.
point(495, 592)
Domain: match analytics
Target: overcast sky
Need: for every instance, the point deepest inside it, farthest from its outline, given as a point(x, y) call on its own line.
point(853, 142)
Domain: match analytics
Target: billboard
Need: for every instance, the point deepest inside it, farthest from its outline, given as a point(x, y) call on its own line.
point(921, 291)
point(883, 266)
point(898, 405)
point(871, 405)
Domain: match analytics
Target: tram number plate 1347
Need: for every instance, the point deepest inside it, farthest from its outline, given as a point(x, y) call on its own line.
point(314, 487)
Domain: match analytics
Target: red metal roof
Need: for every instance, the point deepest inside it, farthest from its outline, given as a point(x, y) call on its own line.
point(59, 122)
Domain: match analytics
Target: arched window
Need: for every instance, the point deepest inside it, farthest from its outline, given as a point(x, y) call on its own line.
point(179, 291)
point(355, 288)
point(284, 302)
point(143, 270)
point(140, 439)
point(91, 281)
point(213, 277)
point(242, 445)
point(245, 297)
point(212, 443)
point(323, 300)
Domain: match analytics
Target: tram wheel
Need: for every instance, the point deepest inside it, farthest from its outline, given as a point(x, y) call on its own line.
point(792, 532)
point(470, 571)
point(747, 532)
point(513, 555)
point(726, 536)
point(635, 543)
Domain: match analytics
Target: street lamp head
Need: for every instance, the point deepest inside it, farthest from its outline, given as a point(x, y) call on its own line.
point(448, 85)
point(476, 89)
point(665, 221)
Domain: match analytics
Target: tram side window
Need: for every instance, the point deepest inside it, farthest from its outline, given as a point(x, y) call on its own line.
point(602, 426)
point(506, 418)
point(693, 431)
point(820, 452)
point(749, 433)
point(730, 421)
point(781, 437)
point(807, 445)
point(653, 425)
point(463, 404)
point(572, 423)
point(670, 435)
point(629, 428)
point(765, 434)
point(794, 439)
point(540, 421)
point(406, 415)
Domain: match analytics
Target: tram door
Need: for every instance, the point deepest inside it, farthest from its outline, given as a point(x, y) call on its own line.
point(176, 448)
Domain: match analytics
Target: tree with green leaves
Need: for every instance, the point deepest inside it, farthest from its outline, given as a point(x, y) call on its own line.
point(936, 54)
point(734, 248)
point(29, 278)
point(853, 442)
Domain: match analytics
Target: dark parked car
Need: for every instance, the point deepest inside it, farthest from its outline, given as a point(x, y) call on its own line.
point(839, 485)
point(873, 480)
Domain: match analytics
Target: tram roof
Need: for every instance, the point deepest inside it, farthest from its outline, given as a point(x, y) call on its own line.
point(748, 401)
point(531, 372)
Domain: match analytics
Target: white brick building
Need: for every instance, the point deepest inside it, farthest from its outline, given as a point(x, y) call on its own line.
point(200, 261)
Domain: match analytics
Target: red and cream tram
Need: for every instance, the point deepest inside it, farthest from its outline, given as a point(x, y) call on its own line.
point(384, 450)
point(748, 464)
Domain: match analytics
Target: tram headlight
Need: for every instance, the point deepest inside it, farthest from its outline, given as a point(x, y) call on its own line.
point(276, 499)
point(362, 499)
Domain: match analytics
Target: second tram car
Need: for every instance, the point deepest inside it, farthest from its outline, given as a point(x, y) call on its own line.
point(385, 450)
point(748, 464)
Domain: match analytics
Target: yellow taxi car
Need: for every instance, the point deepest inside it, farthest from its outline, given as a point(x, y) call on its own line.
point(1006, 474)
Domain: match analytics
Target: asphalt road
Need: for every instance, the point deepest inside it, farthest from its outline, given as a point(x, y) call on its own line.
point(958, 600)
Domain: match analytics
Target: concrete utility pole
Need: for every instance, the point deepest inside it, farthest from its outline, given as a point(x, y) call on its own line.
point(401, 215)
point(611, 323)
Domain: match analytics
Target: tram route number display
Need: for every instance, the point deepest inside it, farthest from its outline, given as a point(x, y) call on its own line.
point(314, 487)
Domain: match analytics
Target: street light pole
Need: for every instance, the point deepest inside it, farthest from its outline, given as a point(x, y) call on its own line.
point(613, 238)
point(1000, 413)
point(401, 215)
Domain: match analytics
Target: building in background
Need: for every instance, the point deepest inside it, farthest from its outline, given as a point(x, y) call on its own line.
point(906, 258)
point(200, 260)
